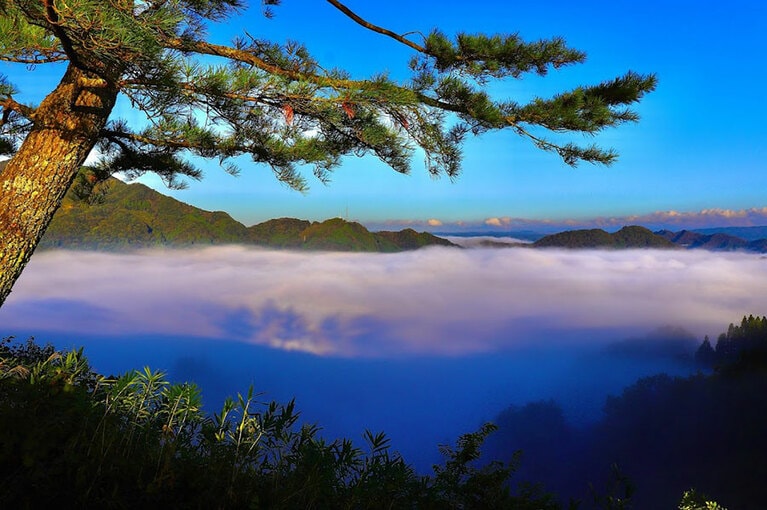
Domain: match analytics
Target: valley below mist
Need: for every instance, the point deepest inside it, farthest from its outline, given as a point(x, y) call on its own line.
point(425, 345)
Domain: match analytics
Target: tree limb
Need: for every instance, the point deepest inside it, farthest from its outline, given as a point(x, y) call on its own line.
point(375, 28)
point(34, 60)
point(9, 104)
point(245, 57)
point(135, 137)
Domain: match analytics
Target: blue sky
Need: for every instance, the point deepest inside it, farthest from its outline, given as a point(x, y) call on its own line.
point(701, 144)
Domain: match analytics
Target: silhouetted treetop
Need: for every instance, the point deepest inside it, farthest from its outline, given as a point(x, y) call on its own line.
point(741, 348)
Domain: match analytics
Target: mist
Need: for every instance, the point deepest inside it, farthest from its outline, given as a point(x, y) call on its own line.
point(425, 345)
point(434, 301)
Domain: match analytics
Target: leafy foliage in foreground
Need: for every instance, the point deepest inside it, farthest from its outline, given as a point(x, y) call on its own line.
point(694, 501)
point(70, 435)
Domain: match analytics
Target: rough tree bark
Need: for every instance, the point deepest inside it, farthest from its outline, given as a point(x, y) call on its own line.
point(66, 127)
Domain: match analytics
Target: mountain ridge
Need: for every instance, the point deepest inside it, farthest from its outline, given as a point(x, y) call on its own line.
point(114, 215)
point(119, 216)
point(716, 241)
point(633, 236)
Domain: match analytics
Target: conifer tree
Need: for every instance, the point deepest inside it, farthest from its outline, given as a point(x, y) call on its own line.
point(273, 102)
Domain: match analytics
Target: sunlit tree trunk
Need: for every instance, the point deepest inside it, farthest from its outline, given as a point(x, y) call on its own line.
point(66, 127)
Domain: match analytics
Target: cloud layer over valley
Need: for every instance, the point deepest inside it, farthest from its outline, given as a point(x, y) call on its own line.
point(434, 301)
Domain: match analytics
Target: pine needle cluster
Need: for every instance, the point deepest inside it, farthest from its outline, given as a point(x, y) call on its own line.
point(275, 103)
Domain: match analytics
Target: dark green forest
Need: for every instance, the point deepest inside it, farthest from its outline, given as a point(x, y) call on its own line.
point(68, 434)
point(661, 436)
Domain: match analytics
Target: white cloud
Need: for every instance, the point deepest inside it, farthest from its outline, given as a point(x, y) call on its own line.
point(674, 220)
point(437, 301)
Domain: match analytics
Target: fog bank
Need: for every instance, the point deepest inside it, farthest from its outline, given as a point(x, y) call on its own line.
point(434, 301)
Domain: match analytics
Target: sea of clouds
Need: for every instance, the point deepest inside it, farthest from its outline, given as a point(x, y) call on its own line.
point(435, 301)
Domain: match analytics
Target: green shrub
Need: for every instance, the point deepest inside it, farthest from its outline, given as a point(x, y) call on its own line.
point(70, 435)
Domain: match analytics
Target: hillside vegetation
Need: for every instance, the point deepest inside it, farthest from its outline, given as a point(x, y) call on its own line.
point(118, 216)
point(627, 237)
point(661, 435)
point(138, 441)
point(641, 237)
point(718, 241)
point(75, 438)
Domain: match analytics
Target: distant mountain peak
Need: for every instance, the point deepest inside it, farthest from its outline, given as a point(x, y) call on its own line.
point(714, 241)
point(632, 236)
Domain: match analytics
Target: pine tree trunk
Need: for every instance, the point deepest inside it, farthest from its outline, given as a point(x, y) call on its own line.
point(66, 127)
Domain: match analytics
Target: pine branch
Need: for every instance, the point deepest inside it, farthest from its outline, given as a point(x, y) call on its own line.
point(247, 57)
point(33, 56)
point(10, 105)
point(269, 97)
point(375, 28)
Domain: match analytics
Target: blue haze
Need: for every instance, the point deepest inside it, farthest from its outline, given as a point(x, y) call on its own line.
point(424, 345)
